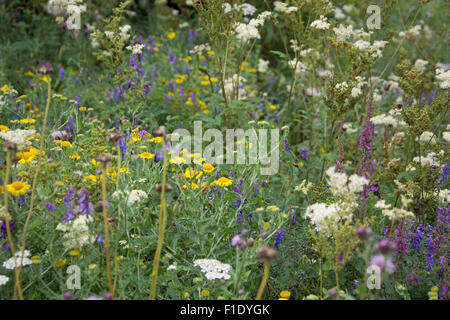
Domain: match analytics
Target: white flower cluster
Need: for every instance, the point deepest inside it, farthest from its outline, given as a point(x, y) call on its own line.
point(299, 66)
point(431, 159)
point(199, 49)
point(320, 215)
point(357, 90)
point(213, 269)
point(446, 136)
point(338, 182)
point(231, 83)
point(18, 136)
point(136, 196)
point(444, 78)
point(3, 280)
point(321, 23)
point(263, 65)
point(426, 137)
point(10, 265)
point(444, 196)
point(394, 213)
point(70, 8)
point(343, 33)
point(411, 33)
point(247, 9)
point(77, 234)
point(374, 49)
point(136, 49)
point(421, 64)
point(282, 7)
point(387, 120)
point(245, 32)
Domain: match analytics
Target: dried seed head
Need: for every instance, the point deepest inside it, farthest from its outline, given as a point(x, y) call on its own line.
point(250, 242)
point(10, 146)
point(160, 131)
point(115, 136)
point(45, 69)
point(264, 235)
point(266, 254)
point(103, 158)
point(168, 188)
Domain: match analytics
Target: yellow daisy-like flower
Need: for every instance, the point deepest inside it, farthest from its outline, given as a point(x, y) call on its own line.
point(273, 208)
point(60, 262)
point(285, 294)
point(223, 182)
point(171, 35)
point(28, 120)
point(205, 293)
point(82, 109)
point(208, 168)
point(185, 295)
point(3, 128)
point(190, 173)
point(5, 88)
point(74, 253)
point(266, 224)
point(156, 139)
point(273, 107)
point(66, 144)
point(26, 156)
point(194, 186)
point(147, 155)
point(46, 79)
point(91, 177)
point(35, 259)
point(177, 160)
point(29, 74)
point(18, 188)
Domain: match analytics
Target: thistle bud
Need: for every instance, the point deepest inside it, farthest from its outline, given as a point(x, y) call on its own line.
point(68, 295)
point(266, 254)
point(250, 242)
point(264, 235)
point(108, 296)
point(45, 69)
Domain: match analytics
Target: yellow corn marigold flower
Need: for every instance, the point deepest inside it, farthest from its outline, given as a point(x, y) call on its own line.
point(29, 74)
point(3, 128)
point(82, 109)
point(190, 173)
point(194, 186)
point(18, 188)
point(266, 224)
point(28, 120)
point(91, 177)
point(74, 253)
point(26, 156)
point(75, 156)
point(208, 168)
point(156, 139)
point(171, 35)
point(35, 259)
point(205, 293)
point(223, 182)
point(185, 295)
point(66, 144)
point(273, 208)
point(285, 294)
point(60, 262)
point(147, 155)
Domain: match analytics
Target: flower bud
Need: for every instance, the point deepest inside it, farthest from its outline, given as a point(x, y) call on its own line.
point(10, 146)
point(266, 254)
point(115, 136)
point(264, 235)
point(167, 188)
point(108, 296)
point(68, 295)
point(250, 242)
point(103, 158)
point(160, 131)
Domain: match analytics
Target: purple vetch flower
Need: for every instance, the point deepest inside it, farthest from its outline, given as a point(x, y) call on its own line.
point(159, 156)
point(50, 206)
point(443, 177)
point(100, 239)
point(430, 252)
point(123, 147)
point(63, 25)
point(286, 146)
point(304, 153)
point(70, 214)
point(279, 238)
point(61, 74)
point(430, 98)
point(3, 230)
point(85, 205)
point(69, 196)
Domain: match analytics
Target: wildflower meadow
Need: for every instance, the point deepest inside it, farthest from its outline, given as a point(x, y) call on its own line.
point(224, 150)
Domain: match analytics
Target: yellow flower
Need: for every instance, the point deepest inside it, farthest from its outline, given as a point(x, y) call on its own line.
point(60, 262)
point(223, 182)
point(28, 120)
point(285, 294)
point(171, 35)
point(208, 168)
point(29, 74)
point(82, 109)
point(156, 139)
point(26, 156)
point(75, 156)
point(147, 155)
point(185, 295)
point(66, 144)
point(6, 88)
point(74, 253)
point(92, 266)
point(273, 208)
point(3, 128)
point(266, 224)
point(205, 293)
point(46, 79)
point(322, 149)
point(194, 186)
point(91, 177)
point(271, 106)
point(2, 189)
point(18, 188)
point(35, 259)
point(177, 160)
point(190, 173)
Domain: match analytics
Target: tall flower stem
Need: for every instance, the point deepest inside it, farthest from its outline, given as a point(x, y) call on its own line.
point(36, 174)
point(262, 286)
point(17, 288)
point(105, 223)
point(119, 213)
point(162, 229)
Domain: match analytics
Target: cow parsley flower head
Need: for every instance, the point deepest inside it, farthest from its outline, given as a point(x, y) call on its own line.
point(3, 280)
point(18, 137)
point(343, 33)
point(444, 78)
point(282, 7)
point(76, 232)
point(213, 269)
point(136, 196)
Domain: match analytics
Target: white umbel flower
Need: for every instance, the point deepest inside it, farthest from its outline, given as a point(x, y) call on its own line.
point(136, 196)
point(263, 65)
point(18, 136)
point(343, 33)
point(3, 280)
point(444, 78)
point(421, 64)
point(10, 265)
point(213, 269)
point(320, 23)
